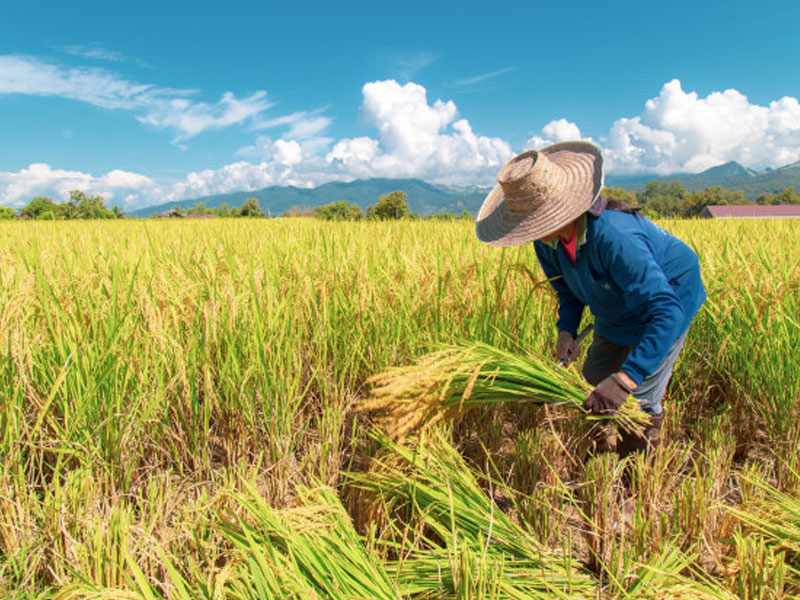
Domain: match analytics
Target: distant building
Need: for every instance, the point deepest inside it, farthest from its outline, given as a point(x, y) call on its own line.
point(174, 213)
point(752, 211)
point(167, 213)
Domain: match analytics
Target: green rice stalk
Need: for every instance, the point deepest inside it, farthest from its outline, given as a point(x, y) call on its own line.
point(672, 575)
point(775, 518)
point(464, 536)
point(309, 551)
point(447, 383)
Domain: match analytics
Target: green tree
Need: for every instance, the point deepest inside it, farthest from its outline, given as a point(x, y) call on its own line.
point(87, 207)
point(40, 207)
point(619, 194)
point(198, 209)
point(69, 210)
point(356, 214)
point(767, 199)
point(250, 208)
point(665, 199)
point(713, 196)
point(297, 211)
point(224, 210)
point(333, 211)
point(6, 212)
point(787, 196)
point(391, 206)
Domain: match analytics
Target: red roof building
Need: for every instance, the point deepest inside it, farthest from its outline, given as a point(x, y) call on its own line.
point(752, 211)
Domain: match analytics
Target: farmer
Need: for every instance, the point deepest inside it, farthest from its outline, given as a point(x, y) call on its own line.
point(641, 284)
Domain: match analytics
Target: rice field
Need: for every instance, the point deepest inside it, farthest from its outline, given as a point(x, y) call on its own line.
point(178, 420)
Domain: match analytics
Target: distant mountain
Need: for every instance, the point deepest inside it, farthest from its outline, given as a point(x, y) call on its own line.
point(423, 198)
point(731, 175)
point(427, 198)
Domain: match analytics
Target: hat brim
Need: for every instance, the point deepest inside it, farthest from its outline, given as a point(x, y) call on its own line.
point(582, 164)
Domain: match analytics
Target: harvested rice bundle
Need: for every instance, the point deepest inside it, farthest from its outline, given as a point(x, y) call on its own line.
point(456, 541)
point(775, 519)
point(448, 382)
point(308, 551)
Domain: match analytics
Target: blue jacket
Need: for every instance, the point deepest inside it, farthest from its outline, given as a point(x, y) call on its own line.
point(641, 284)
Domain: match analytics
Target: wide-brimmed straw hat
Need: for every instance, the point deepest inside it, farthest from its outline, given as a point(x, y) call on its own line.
point(539, 192)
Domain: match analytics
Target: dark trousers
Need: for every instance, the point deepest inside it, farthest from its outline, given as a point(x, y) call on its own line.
point(606, 357)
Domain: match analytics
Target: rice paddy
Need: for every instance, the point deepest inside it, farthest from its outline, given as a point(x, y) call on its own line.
point(179, 419)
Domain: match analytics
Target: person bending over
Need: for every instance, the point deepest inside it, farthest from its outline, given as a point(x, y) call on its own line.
point(642, 284)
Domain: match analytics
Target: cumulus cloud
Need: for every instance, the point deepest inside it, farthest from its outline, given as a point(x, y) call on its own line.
point(680, 131)
point(417, 139)
point(161, 107)
point(409, 136)
point(123, 188)
point(556, 131)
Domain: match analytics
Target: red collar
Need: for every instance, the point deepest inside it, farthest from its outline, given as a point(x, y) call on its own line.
point(570, 244)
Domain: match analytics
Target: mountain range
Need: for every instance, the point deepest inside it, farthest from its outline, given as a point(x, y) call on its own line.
point(427, 198)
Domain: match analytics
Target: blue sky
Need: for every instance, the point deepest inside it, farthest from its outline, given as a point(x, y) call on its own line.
point(150, 102)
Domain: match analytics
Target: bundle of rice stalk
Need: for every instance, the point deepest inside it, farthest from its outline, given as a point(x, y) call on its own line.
point(462, 540)
point(670, 575)
point(776, 518)
point(448, 382)
point(308, 551)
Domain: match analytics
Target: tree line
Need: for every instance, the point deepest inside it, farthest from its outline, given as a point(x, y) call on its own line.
point(659, 199)
point(672, 200)
point(391, 206)
point(79, 206)
point(250, 208)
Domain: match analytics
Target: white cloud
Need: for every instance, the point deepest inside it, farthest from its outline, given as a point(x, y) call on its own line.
point(234, 177)
point(408, 65)
point(556, 131)
point(123, 188)
point(355, 155)
point(417, 139)
point(676, 131)
point(681, 132)
point(308, 128)
point(302, 124)
point(93, 51)
point(283, 162)
point(161, 107)
point(287, 153)
point(191, 118)
point(482, 77)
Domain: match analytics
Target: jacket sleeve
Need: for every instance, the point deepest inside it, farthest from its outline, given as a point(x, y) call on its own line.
point(631, 265)
point(570, 309)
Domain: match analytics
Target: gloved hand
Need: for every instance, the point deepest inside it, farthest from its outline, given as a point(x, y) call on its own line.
point(608, 396)
point(567, 348)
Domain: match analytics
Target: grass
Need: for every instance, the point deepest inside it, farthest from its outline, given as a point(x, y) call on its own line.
point(154, 374)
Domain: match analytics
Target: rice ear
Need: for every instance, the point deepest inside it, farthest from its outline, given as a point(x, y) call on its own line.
point(451, 381)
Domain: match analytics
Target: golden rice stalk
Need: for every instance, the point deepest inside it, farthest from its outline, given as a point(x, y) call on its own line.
point(448, 382)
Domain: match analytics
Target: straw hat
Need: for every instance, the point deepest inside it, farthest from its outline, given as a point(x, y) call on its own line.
point(539, 192)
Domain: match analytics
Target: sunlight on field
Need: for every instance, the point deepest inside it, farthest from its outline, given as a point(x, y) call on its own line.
point(174, 393)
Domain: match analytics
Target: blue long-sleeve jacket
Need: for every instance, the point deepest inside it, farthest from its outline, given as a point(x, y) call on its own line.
point(642, 285)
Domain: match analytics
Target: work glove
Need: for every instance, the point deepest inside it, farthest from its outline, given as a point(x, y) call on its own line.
point(608, 396)
point(567, 348)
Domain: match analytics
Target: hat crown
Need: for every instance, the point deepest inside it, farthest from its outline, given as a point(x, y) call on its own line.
point(539, 192)
point(528, 180)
